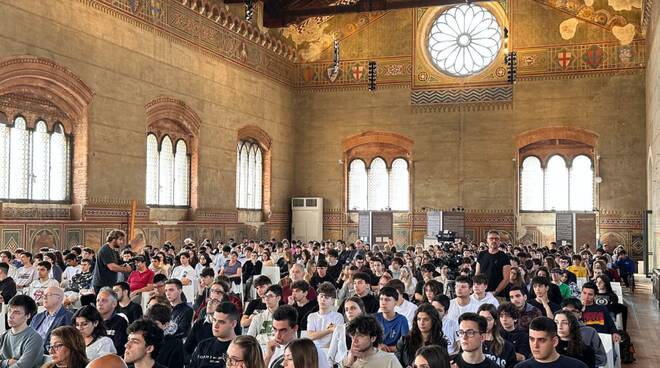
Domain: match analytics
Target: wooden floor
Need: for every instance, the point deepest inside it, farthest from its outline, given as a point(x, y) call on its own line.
point(643, 324)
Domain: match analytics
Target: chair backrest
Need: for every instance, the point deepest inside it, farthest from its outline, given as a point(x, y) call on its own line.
point(606, 339)
point(616, 287)
point(273, 273)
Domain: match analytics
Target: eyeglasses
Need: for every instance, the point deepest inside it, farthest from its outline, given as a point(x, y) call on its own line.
point(233, 362)
point(54, 347)
point(468, 333)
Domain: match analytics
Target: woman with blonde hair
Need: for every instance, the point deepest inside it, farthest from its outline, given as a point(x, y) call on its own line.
point(301, 353)
point(66, 348)
point(244, 352)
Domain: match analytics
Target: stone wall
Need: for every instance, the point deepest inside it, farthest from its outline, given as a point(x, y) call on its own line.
point(653, 125)
point(127, 60)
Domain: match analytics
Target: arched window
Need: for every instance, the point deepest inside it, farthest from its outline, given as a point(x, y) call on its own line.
point(378, 185)
point(249, 175)
point(399, 183)
point(581, 184)
point(556, 184)
point(172, 130)
point(168, 172)
point(34, 162)
point(357, 185)
point(378, 188)
point(531, 185)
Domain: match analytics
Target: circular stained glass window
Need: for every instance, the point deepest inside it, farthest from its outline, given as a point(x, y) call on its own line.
point(464, 40)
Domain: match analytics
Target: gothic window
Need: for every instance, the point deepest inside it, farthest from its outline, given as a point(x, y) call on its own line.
point(557, 186)
point(464, 40)
point(249, 175)
point(34, 162)
point(168, 172)
point(582, 184)
point(377, 187)
point(531, 185)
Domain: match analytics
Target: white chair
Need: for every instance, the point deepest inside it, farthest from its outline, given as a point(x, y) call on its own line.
point(616, 287)
point(273, 273)
point(145, 301)
point(612, 351)
point(3, 315)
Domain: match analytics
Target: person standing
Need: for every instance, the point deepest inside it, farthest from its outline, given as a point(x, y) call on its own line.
point(494, 264)
point(107, 263)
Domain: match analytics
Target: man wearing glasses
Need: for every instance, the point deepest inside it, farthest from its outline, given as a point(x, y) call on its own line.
point(21, 345)
point(144, 342)
point(494, 264)
point(262, 324)
point(212, 352)
point(471, 330)
point(54, 316)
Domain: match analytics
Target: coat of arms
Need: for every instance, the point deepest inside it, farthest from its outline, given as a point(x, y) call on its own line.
point(564, 58)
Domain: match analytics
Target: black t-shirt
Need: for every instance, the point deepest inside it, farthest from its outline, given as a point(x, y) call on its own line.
point(133, 311)
point(209, 354)
point(371, 304)
point(102, 274)
point(254, 305)
point(303, 313)
point(171, 353)
point(460, 363)
point(335, 271)
point(588, 356)
point(562, 362)
point(519, 339)
point(491, 265)
point(318, 280)
point(182, 315)
point(201, 330)
point(7, 289)
point(115, 328)
point(553, 307)
point(506, 359)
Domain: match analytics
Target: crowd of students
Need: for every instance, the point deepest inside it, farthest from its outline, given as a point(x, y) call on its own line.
point(336, 304)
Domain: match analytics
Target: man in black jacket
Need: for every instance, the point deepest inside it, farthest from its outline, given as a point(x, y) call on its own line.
point(115, 325)
point(211, 352)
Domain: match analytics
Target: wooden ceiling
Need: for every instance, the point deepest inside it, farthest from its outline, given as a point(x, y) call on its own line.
point(281, 13)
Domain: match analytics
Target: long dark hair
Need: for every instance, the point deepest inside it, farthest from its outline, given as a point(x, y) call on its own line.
point(437, 337)
point(608, 288)
point(575, 337)
point(92, 315)
point(436, 356)
point(497, 344)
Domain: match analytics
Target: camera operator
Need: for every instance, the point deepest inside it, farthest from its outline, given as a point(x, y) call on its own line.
point(107, 262)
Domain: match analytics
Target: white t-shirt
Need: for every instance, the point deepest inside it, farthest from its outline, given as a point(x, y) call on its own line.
point(38, 289)
point(456, 310)
point(488, 298)
point(317, 322)
point(102, 346)
point(190, 290)
point(407, 309)
point(25, 276)
point(449, 328)
point(69, 272)
point(279, 351)
point(262, 327)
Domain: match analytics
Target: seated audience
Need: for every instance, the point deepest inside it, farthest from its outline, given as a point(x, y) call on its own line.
point(301, 353)
point(495, 347)
point(427, 330)
point(471, 332)
point(432, 356)
point(508, 317)
point(321, 324)
point(366, 335)
point(211, 352)
point(172, 354)
point(543, 339)
point(570, 339)
point(66, 348)
point(182, 313)
point(125, 306)
point(394, 325)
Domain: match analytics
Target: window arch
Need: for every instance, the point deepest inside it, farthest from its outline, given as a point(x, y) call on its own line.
point(171, 153)
point(249, 176)
point(378, 171)
point(35, 161)
point(557, 170)
point(253, 166)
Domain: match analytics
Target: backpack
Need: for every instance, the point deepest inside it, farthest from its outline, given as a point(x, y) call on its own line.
point(627, 348)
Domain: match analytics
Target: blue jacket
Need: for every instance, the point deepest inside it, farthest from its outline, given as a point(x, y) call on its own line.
point(62, 318)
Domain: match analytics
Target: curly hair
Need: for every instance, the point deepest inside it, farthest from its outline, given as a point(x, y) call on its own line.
point(575, 342)
point(368, 326)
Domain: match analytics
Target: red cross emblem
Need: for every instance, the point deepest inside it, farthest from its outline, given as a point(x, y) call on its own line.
point(564, 58)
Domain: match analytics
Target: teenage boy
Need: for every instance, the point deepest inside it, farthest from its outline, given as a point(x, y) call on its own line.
point(262, 324)
point(366, 334)
point(471, 332)
point(303, 306)
point(361, 284)
point(182, 313)
point(144, 342)
point(508, 316)
point(132, 310)
point(403, 307)
point(211, 352)
point(25, 274)
point(541, 286)
point(463, 303)
point(595, 315)
point(577, 268)
point(38, 287)
point(321, 324)
point(479, 293)
point(321, 275)
point(171, 354)
point(257, 304)
point(21, 345)
point(394, 325)
point(543, 341)
point(527, 312)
